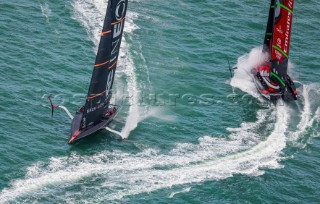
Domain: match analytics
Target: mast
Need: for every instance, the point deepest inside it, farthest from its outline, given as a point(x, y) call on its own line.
point(99, 93)
point(283, 13)
point(269, 29)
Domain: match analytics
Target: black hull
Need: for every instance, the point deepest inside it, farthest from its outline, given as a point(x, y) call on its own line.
point(287, 92)
point(77, 133)
point(262, 90)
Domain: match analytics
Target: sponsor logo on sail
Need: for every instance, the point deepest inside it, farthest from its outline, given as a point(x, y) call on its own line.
point(287, 34)
point(109, 81)
point(280, 29)
point(118, 28)
point(120, 13)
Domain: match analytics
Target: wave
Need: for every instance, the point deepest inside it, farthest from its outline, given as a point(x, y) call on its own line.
point(45, 11)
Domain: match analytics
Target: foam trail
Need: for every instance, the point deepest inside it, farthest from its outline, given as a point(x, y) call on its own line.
point(183, 191)
point(265, 154)
point(45, 10)
point(306, 114)
point(114, 131)
point(134, 113)
point(309, 114)
point(67, 111)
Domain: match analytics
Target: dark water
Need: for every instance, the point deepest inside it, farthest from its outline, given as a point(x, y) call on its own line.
point(193, 138)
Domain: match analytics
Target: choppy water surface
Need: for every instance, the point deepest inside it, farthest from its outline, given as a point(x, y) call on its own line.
point(195, 135)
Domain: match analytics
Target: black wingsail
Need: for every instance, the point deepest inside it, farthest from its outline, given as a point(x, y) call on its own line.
point(269, 29)
point(99, 93)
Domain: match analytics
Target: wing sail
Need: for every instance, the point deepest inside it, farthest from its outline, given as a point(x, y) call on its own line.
point(283, 13)
point(269, 30)
point(99, 93)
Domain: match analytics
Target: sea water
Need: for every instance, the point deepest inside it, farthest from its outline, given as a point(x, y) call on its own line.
point(195, 133)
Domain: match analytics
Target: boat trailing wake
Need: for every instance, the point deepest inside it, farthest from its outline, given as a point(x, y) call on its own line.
point(67, 111)
point(183, 191)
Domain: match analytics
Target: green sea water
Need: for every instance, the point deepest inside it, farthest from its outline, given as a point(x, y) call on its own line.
point(195, 135)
